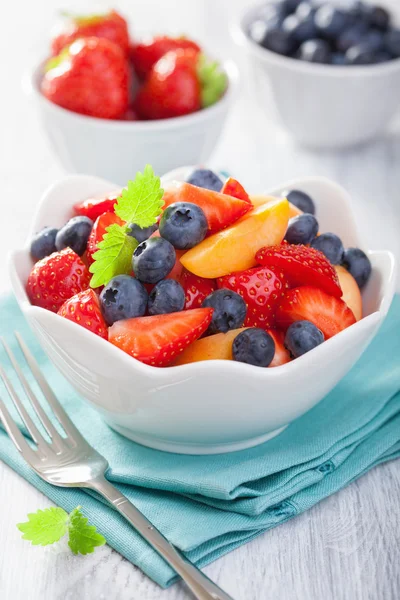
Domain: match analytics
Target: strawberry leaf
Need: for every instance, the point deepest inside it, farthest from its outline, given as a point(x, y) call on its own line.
point(213, 80)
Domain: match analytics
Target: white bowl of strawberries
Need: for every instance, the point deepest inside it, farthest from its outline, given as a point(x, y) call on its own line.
point(106, 101)
point(220, 328)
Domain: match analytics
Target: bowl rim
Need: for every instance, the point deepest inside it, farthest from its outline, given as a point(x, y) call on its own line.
point(30, 84)
point(225, 367)
point(238, 29)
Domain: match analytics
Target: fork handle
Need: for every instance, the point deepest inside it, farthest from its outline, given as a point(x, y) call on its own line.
point(200, 585)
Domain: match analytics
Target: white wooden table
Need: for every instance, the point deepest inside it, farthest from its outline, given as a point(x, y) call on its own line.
point(347, 547)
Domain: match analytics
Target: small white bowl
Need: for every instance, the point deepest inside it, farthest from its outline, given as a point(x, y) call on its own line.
point(321, 106)
point(212, 406)
point(118, 149)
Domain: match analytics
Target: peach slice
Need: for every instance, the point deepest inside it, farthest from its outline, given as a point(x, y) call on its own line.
point(213, 347)
point(351, 292)
point(234, 248)
point(259, 199)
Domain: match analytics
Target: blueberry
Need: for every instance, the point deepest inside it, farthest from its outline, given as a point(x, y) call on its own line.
point(361, 54)
point(374, 39)
point(382, 56)
point(184, 225)
point(74, 234)
point(302, 200)
point(305, 10)
point(278, 40)
point(330, 245)
point(124, 297)
point(358, 265)
point(254, 346)
point(315, 51)
point(257, 30)
point(167, 296)
point(338, 59)
point(302, 229)
point(300, 29)
point(351, 37)
point(229, 310)
point(207, 179)
point(378, 17)
point(301, 337)
point(289, 6)
point(153, 259)
point(331, 22)
point(44, 243)
point(141, 233)
point(392, 42)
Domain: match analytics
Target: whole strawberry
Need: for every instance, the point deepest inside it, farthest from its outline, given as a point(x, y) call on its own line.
point(90, 77)
point(84, 309)
point(145, 54)
point(56, 278)
point(109, 26)
point(180, 83)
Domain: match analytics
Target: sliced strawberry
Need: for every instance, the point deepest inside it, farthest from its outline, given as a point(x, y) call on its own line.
point(158, 340)
point(281, 356)
point(302, 266)
point(196, 289)
point(98, 231)
point(234, 188)
point(94, 207)
point(221, 210)
point(331, 315)
point(84, 309)
point(262, 290)
point(56, 278)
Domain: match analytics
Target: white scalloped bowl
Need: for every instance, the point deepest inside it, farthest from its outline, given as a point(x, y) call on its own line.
point(212, 406)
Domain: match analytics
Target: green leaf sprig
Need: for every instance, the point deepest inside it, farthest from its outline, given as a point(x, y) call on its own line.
point(48, 526)
point(140, 203)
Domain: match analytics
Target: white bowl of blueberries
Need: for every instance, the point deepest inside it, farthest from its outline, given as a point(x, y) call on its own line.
point(329, 69)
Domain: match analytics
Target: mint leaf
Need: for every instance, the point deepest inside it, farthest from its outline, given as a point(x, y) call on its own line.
point(83, 538)
point(213, 80)
point(45, 527)
point(141, 201)
point(114, 256)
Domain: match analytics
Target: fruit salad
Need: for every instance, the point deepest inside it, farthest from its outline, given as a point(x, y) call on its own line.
point(200, 270)
point(335, 32)
point(96, 70)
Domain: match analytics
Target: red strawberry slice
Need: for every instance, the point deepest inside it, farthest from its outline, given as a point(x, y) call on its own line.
point(158, 340)
point(302, 266)
point(262, 290)
point(221, 210)
point(235, 189)
point(98, 230)
point(281, 356)
point(84, 309)
point(331, 315)
point(196, 289)
point(94, 207)
point(56, 278)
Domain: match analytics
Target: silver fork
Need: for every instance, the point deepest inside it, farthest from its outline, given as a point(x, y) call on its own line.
point(71, 462)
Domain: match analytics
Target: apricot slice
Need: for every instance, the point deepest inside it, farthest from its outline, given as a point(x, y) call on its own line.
point(259, 199)
point(351, 292)
point(213, 347)
point(234, 248)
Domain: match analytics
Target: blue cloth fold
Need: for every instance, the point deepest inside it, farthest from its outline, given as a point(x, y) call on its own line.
point(209, 505)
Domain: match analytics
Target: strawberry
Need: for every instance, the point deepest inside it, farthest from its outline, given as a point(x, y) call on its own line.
point(302, 266)
point(235, 189)
point(281, 356)
point(56, 278)
point(94, 207)
point(262, 290)
point(91, 77)
point(110, 26)
point(196, 289)
point(98, 230)
point(221, 210)
point(145, 54)
point(331, 315)
point(84, 309)
point(179, 83)
point(158, 340)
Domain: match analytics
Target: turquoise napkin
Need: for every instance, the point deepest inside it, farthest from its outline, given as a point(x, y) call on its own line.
point(209, 505)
